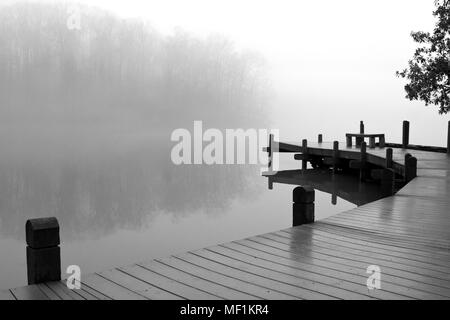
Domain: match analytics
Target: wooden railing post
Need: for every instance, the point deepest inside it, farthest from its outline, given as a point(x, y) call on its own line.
point(303, 206)
point(270, 155)
point(410, 167)
point(387, 182)
point(363, 161)
point(359, 140)
point(43, 252)
point(335, 155)
point(348, 139)
point(372, 142)
point(389, 156)
point(386, 176)
point(305, 153)
point(405, 136)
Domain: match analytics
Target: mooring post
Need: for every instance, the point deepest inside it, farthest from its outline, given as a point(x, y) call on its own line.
point(359, 140)
point(269, 150)
point(305, 153)
point(387, 182)
point(371, 142)
point(349, 140)
point(335, 155)
point(303, 206)
point(389, 156)
point(270, 182)
point(382, 142)
point(448, 138)
point(363, 161)
point(319, 138)
point(43, 252)
point(410, 167)
point(405, 137)
point(334, 199)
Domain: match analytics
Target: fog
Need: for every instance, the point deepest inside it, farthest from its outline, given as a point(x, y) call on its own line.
point(326, 60)
point(86, 115)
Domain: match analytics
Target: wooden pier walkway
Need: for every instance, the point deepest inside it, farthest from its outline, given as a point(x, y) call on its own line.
point(407, 235)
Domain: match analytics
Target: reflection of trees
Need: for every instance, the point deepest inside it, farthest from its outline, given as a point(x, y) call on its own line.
point(66, 97)
point(96, 197)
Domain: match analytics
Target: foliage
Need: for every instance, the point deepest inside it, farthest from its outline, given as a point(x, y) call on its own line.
point(428, 73)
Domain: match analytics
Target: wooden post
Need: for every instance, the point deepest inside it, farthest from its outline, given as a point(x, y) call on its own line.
point(349, 140)
point(363, 160)
point(382, 142)
point(387, 182)
point(270, 182)
point(43, 252)
point(269, 150)
point(305, 152)
point(405, 137)
point(303, 206)
point(359, 140)
point(371, 142)
point(448, 138)
point(335, 155)
point(334, 199)
point(319, 138)
point(389, 161)
point(410, 167)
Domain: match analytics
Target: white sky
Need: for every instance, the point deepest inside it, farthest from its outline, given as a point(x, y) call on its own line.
point(329, 60)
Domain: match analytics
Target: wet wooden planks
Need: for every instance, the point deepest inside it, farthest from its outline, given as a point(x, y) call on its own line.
point(406, 235)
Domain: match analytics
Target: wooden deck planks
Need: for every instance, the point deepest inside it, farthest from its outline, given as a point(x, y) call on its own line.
point(407, 235)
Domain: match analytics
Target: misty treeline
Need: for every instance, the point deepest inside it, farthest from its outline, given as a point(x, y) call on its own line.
point(121, 73)
point(66, 95)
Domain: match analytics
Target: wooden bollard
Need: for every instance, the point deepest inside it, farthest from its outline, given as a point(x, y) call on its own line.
point(387, 180)
point(359, 140)
point(389, 156)
point(305, 153)
point(405, 136)
point(269, 150)
point(382, 142)
point(348, 139)
point(319, 138)
point(303, 206)
point(363, 161)
point(335, 155)
point(334, 199)
point(448, 138)
point(410, 167)
point(372, 142)
point(43, 252)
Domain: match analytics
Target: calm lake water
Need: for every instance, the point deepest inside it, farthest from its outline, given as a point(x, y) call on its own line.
point(121, 203)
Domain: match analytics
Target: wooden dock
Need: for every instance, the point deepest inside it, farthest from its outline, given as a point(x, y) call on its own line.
point(407, 235)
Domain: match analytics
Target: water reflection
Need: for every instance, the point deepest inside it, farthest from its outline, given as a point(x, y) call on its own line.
point(345, 186)
point(97, 194)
